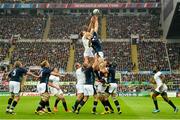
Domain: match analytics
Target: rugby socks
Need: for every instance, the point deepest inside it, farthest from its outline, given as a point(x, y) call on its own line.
point(156, 104)
point(76, 105)
point(94, 106)
point(65, 105)
point(47, 105)
point(117, 105)
point(172, 104)
point(104, 104)
point(9, 102)
point(56, 102)
point(110, 105)
point(14, 105)
point(41, 105)
point(81, 104)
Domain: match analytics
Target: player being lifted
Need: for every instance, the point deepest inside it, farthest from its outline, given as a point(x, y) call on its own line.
point(90, 39)
point(56, 91)
point(88, 51)
point(161, 89)
point(16, 76)
point(93, 29)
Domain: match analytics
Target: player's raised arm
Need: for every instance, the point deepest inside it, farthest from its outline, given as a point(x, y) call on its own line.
point(96, 24)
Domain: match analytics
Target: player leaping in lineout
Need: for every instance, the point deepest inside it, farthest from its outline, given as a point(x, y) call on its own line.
point(93, 29)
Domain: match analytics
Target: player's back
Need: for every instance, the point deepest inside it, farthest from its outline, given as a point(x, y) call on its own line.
point(54, 79)
point(45, 73)
point(89, 74)
point(157, 78)
point(96, 45)
point(85, 43)
point(80, 76)
point(111, 75)
point(17, 73)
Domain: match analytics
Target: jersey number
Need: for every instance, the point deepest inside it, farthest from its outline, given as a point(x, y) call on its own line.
point(14, 73)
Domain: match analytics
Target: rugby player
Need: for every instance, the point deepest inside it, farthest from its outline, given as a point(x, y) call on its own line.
point(79, 85)
point(88, 86)
point(42, 88)
point(112, 88)
point(161, 89)
point(16, 76)
point(56, 91)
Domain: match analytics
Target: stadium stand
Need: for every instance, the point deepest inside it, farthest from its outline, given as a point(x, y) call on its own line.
point(152, 54)
point(4, 48)
point(27, 26)
point(33, 53)
point(123, 26)
point(64, 25)
point(174, 55)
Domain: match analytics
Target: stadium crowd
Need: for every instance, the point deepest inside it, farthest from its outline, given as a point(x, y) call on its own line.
point(33, 53)
point(146, 26)
point(32, 27)
point(151, 54)
point(27, 26)
point(64, 25)
point(119, 53)
point(4, 50)
point(174, 55)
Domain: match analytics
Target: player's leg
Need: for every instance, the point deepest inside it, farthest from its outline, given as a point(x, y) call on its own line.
point(165, 97)
point(16, 91)
point(155, 94)
point(88, 91)
point(47, 103)
point(56, 104)
point(104, 101)
point(106, 95)
point(116, 102)
point(44, 97)
point(81, 104)
point(78, 100)
point(112, 89)
point(14, 103)
point(80, 95)
point(10, 100)
point(64, 103)
point(43, 102)
point(102, 96)
point(96, 98)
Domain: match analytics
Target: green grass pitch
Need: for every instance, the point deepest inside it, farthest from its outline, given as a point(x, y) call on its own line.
point(132, 108)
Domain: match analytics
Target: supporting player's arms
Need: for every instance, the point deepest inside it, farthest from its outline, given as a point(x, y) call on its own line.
point(162, 78)
point(55, 74)
point(52, 85)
